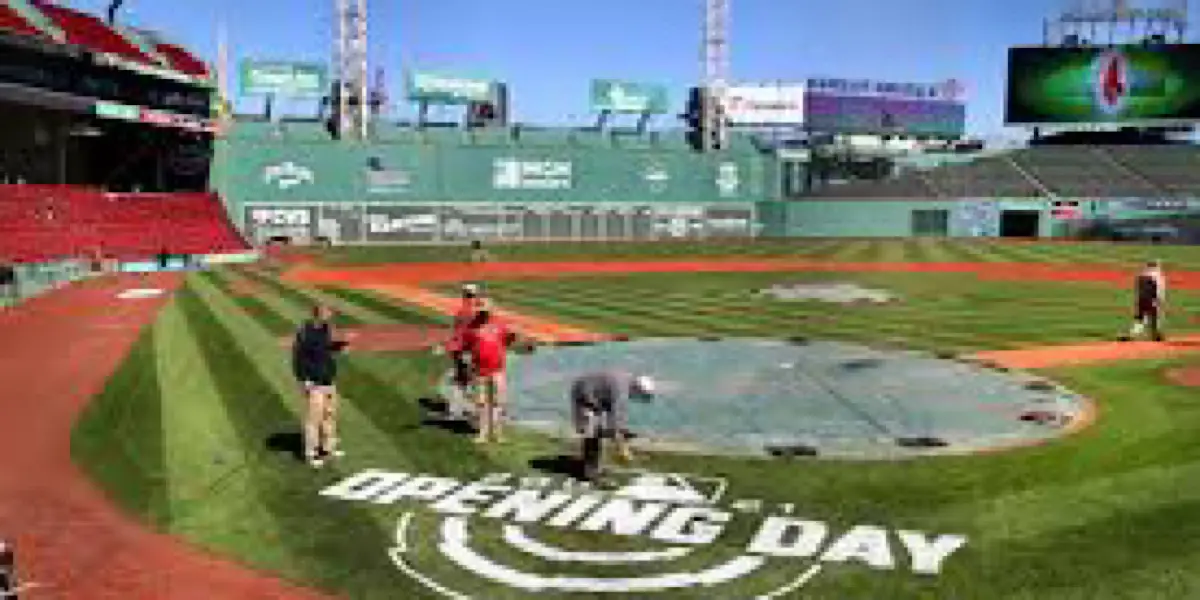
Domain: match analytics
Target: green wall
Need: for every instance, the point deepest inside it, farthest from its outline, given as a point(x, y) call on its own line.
point(283, 172)
point(891, 218)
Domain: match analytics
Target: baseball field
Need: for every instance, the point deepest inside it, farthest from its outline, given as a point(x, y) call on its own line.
point(196, 432)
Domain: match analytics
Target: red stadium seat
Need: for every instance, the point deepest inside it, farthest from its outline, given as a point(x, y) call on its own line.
point(40, 223)
point(12, 22)
point(90, 32)
point(182, 60)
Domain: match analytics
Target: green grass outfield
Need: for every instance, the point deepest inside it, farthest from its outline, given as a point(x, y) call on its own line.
point(188, 435)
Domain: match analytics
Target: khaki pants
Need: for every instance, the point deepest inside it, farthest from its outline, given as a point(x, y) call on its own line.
point(320, 419)
point(490, 392)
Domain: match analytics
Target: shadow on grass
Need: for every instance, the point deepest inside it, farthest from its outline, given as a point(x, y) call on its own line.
point(437, 414)
point(287, 442)
point(558, 465)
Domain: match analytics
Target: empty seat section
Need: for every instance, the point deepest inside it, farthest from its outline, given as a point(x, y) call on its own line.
point(1175, 169)
point(50, 222)
point(986, 177)
point(1082, 172)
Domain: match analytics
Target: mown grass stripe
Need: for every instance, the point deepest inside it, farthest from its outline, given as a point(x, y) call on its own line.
point(254, 305)
point(258, 413)
point(296, 301)
point(315, 295)
point(386, 416)
point(399, 313)
point(119, 441)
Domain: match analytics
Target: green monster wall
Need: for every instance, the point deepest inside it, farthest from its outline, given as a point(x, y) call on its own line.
point(262, 172)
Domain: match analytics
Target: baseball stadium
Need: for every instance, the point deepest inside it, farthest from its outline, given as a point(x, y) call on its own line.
point(802, 339)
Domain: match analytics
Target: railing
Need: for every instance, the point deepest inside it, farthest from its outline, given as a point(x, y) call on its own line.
point(35, 279)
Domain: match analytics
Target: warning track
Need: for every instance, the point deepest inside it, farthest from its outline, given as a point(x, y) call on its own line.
point(71, 542)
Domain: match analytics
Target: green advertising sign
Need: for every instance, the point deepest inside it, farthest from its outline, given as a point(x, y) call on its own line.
point(1124, 84)
point(628, 97)
point(288, 79)
point(113, 110)
point(435, 88)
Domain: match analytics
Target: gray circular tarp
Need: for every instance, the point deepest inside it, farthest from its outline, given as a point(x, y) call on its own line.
point(749, 396)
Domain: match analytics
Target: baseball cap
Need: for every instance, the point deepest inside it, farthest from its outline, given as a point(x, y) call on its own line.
point(644, 384)
point(470, 289)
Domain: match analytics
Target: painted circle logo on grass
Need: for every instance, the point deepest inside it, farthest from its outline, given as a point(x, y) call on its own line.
point(672, 516)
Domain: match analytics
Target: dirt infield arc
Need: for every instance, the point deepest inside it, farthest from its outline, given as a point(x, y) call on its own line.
point(404, 281)
point(59, 350)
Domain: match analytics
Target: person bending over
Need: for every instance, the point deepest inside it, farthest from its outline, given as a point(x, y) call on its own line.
point(599, 408)
point(314, 363)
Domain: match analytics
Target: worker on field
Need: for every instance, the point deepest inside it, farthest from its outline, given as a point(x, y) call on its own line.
point(479, 254)
point(314, 363)
point(1150, 290)
point(454, 347)
point(599, 409)
point(487, 341)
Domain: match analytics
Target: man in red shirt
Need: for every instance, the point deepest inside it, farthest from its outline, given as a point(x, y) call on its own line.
point(454, 347)
point(487, 340)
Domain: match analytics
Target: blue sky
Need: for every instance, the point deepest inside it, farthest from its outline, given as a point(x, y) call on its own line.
point(549, 50)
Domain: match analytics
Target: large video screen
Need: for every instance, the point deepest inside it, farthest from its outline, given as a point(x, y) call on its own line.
point(835, 113)
point(1125, 84)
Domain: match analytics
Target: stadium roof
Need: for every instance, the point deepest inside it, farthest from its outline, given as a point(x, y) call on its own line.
point(134, 49)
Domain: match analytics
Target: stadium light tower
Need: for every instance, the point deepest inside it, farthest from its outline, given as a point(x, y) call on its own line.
point(1114, 22)
point(350, 68)
point(716, 70)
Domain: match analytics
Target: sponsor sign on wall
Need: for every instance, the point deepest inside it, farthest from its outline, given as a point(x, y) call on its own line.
point(765, 105)
point(401, 223)
point(263, 223)
point(520, 174)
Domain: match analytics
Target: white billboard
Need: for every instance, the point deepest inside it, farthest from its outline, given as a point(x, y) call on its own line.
point(765, 105)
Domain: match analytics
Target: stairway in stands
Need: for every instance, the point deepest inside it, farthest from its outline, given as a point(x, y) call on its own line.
point(45, 223)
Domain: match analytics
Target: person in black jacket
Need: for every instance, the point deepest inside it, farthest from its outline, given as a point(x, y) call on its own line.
point(1150, 289)
point(314, 362)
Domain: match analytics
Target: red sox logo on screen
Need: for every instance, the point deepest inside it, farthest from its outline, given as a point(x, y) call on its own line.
point(1112, 81)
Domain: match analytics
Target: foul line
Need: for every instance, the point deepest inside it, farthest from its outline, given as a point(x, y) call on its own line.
point(793, 586)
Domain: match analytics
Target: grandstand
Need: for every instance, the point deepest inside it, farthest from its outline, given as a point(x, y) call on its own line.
point(113, 163)
point(1069, 171)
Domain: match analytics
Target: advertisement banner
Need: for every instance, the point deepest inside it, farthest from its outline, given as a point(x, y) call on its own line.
point(1124, 84)
point(266, 222)
point(517, 174)
point(951, 90)
point(402, 223)
point(878, 115)
point(470, 222)
point(287, 79)
point(434, 88)
point(628, 97)
point(765, 105)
